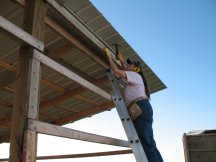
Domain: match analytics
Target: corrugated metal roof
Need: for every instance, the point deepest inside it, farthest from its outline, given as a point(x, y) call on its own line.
point(61, 99)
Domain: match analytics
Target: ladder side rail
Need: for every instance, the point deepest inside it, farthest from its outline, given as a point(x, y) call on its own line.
point(128, 126)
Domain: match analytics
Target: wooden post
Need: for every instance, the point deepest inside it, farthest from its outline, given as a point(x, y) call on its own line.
point(23, 143)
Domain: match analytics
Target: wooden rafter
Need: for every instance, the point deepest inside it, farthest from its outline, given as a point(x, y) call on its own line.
point(61, 31)
point(59, 52)
point(69, 94)
point(48, 83)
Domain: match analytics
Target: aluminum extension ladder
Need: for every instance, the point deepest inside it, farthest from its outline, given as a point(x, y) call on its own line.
point(129, 128)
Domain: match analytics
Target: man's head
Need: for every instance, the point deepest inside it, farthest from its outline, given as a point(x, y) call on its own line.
point(133, 65)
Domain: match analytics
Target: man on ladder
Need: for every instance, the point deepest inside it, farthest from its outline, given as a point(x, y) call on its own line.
point(136, 96)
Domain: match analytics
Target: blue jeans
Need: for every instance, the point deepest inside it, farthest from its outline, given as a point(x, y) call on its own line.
point(143, 126)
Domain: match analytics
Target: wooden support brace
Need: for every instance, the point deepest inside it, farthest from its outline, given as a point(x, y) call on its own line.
point(50, 129)
point(118, 152)
point(61, 69)
point(18, 33)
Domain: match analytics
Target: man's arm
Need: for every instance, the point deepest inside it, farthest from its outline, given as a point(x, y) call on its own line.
point(116, 70)
point(113, 66)
point(122, 61)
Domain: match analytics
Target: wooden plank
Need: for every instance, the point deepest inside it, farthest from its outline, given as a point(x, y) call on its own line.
point(60, 52)
point(27, 86)
point(69, 94)
point(118, 152)
point(72, 39)
point(7, 66)
point(18, 33)
point(29, 148)
point(201, 142)
point(64, 71)
point(73, 19)
point(95, 154)
point(186, 151)
point(33, 89)
point(59, 131)
point(59, 29)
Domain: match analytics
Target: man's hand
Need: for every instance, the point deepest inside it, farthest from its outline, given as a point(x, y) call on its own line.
point(108, 53)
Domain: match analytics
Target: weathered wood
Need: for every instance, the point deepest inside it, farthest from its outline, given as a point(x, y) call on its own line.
point(26, 96)
point(69, 94)
point(29, 148)
point(19, 34)
point(65, 34)
point(59, 52)
point(185, 144)
point(64, 71)
point(200, 147)
point(59, 29)
point(59, 131)
point(64, 11)
point(33, 89)
point(7, 66)
point(118, 152)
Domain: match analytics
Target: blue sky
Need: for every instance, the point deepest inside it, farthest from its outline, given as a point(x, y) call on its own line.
point(177, 39)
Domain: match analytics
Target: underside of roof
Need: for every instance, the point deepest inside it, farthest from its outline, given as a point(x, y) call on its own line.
point(74, 40)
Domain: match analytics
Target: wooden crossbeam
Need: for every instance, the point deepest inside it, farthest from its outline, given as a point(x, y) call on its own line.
point(69, 94)
point(71, 118)
point(64, 71)
point(107, 153)
point(48, 83)
point(51, 85)
point(18, 33)
point(4, 127)
point(70, 38)
point(54, 130)
point(69, 16)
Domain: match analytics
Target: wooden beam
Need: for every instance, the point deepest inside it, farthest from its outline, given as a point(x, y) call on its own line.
point(48, 83)
point(59, 52)
point(69, 94)
point(95, 154)
point(53, 86)
point(65, 34)
point(27, 85)
point(4, 126)
point(7, 66)
point(59, 29)
point(71, 109)
point(10, 106)
point(59, 131)
point(15, 32)
point(61, 69)
point(91, 101)
point(81, 26)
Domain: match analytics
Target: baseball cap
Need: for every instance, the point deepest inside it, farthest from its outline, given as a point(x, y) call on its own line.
point(136, 63)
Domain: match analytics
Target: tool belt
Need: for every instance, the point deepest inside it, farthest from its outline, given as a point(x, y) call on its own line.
point(133, 108)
